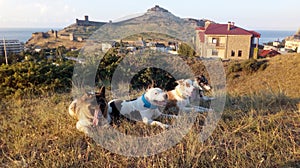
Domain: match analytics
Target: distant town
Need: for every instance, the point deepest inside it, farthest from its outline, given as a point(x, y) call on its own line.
point(220, 40)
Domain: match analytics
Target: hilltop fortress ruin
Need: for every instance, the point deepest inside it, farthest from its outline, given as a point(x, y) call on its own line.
point(76, 34)
point(68, 36)
point(87, 22)
point(71, 36)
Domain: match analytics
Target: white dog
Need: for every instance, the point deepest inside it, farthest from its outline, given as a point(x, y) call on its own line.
point(146, 105)
point(179, 98)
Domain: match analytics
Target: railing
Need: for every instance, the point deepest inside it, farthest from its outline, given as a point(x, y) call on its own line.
point(221, 45)
point(217, 45)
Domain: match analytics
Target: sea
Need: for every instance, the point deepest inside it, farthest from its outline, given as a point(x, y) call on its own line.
point(24, 34)
point(21, 34)
point(274, 35)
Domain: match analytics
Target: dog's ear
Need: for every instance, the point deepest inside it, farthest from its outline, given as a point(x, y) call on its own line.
point(180, 82)
point(149, 87)
point(188, 82)
point(101, 92)
point(152, 85)
point(86, 97)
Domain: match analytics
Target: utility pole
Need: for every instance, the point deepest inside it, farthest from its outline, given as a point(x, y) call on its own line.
point(5, 53)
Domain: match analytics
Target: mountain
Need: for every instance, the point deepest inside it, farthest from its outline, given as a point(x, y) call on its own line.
point(155, 19)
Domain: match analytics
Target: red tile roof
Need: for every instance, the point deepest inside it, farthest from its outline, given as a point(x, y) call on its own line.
point(265, 53)
point(222, 29)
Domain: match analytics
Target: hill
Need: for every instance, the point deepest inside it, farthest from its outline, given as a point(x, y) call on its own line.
point(76, 35)
point(282, 74)
point(73, 36)
point(259, 128)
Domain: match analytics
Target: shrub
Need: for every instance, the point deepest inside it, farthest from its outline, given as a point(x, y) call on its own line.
point(34, 78)
point(252, 65)
point(186, 50)
point(235, 68)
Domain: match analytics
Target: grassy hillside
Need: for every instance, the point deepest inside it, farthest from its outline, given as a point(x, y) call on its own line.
point(259, 128)
point(281, 74)
point(50, 41)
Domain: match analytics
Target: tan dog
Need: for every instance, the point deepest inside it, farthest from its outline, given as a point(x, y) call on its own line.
point(179, 98)
point(87, 110)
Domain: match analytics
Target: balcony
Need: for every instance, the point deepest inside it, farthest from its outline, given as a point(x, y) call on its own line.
point(220, 45)
point(217, 45)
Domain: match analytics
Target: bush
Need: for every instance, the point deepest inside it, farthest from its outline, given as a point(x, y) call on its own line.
point(252, 65)
point(186, 50)
point(28, 78)
point(235, 68)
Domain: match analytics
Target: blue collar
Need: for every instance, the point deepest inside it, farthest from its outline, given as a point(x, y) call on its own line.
point(147, 104)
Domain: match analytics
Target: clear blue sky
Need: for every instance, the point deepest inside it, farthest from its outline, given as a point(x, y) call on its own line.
point(254, 14)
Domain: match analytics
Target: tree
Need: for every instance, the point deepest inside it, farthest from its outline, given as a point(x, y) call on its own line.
point(186, 50)
point(60, 50)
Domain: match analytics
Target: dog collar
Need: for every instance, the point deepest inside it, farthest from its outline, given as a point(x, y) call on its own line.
point(147, 104)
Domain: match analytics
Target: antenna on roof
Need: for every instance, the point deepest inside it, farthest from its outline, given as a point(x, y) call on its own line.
point(5, 53)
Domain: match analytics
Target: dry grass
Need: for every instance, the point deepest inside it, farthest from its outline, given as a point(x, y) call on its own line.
point(257, 129)
point(251, 133)
point(282, 73)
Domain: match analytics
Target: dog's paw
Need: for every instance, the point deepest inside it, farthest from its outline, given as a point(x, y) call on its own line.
point(165, 126)
point(145, 120)
point(205, 98)
point(175, 117)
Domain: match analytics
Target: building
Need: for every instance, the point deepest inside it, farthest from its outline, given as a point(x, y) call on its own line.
point(226, 41)
point(160, 47)
point(293, 44)
point(268, 53)
point(11, 46)
point(87, 22)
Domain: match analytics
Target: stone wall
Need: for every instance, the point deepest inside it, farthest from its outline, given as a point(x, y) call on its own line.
point(86, 22)
point(239, 43)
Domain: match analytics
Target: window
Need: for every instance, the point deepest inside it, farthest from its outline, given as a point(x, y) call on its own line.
point(214, 41)
point(232, 53)
point(240, 53)
point(215, 52)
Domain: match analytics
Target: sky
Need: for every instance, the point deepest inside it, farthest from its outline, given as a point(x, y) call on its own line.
point(253, 15)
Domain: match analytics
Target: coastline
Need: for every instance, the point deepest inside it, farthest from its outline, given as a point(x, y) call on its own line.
point(21, 34)
point(24, 34)
point(274, 35)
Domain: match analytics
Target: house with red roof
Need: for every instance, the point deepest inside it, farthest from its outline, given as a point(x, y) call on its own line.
point(268, 53)
point(226, 41)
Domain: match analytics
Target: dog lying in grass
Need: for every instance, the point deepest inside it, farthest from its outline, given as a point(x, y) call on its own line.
point(146, 105)
point(179, 98)
point(87, 110)
point(202, 85)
